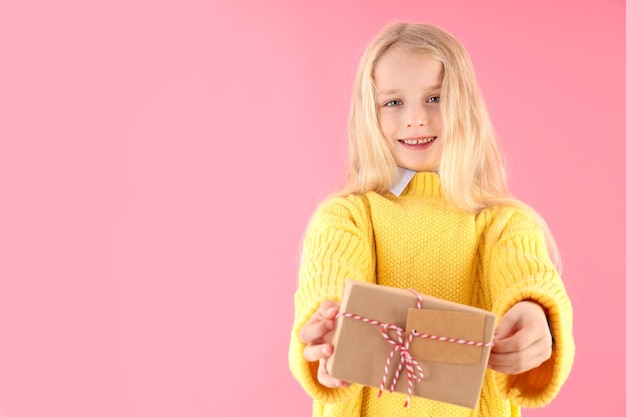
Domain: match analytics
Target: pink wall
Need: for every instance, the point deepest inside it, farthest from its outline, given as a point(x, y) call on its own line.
point(159, 161)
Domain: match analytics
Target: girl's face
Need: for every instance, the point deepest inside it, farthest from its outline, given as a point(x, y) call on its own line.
point(408, 87)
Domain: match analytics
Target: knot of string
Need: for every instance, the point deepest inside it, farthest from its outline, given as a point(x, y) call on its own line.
point(414, 370)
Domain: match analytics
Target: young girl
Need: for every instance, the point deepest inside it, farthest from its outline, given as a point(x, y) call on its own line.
point(426, 206)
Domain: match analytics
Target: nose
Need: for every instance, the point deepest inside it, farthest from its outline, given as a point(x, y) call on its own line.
point(416, 116)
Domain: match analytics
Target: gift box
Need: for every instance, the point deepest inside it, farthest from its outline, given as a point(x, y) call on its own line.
point(399, 340)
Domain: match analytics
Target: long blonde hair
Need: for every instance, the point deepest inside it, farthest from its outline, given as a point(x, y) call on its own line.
point(471, 170)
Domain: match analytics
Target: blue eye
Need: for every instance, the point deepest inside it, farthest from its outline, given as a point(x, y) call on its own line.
point(393, 103)
point(434, 99)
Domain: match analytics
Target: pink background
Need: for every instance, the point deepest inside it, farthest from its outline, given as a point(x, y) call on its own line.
point(159, 161)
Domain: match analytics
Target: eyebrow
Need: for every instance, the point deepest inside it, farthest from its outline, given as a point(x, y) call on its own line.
point(395, 91)
point(387, 93)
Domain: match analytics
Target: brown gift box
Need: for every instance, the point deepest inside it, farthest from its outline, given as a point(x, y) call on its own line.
point(452, 372)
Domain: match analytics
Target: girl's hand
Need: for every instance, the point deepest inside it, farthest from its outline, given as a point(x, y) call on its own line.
point(522, 340)
point(317, 334)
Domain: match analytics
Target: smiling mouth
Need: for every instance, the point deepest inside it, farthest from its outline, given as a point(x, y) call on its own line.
point(419, 141)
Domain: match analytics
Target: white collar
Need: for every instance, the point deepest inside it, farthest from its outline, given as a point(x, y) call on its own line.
point(404, 177)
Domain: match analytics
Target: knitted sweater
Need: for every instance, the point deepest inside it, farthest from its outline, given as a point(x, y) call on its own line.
point(490, 260)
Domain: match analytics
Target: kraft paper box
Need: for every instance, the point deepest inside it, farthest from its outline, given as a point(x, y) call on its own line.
point(452, 372)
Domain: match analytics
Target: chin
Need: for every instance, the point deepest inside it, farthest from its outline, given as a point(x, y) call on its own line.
point(421, 168)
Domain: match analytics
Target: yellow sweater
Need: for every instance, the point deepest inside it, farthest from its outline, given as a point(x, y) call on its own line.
point(418, 240)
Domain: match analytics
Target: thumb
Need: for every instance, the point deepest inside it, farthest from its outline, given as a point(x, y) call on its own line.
point(328, 309)
point(508, 325)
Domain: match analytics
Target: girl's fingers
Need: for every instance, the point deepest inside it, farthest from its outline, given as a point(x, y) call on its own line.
point(512, 363)
point(328, 310)
point(328, 381)
point(314, 353)
point(514, 367)
point(321, 323)
point(316, 331)
point(522, 342)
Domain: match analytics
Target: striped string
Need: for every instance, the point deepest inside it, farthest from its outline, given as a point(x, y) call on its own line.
point(414, 370)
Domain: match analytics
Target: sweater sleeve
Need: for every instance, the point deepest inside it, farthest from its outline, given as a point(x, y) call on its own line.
point(519, 268)
point(338, 245)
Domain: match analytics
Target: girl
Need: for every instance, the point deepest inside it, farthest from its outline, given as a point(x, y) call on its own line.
point(426, 206)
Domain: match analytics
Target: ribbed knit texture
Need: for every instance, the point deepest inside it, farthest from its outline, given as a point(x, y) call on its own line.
point(418, 240)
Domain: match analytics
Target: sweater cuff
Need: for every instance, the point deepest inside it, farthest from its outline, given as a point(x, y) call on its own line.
point(539, 386)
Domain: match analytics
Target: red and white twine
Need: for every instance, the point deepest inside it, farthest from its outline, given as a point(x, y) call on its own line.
point(414, 370)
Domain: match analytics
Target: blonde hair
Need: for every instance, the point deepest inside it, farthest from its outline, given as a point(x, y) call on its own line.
point(471, 170)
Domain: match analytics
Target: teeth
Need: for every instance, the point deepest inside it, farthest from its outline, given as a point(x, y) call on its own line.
point(418, 141)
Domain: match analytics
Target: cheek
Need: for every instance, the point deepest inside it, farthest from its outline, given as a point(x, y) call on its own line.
point(383, 124)
point(437, 119)
point(387, 124)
